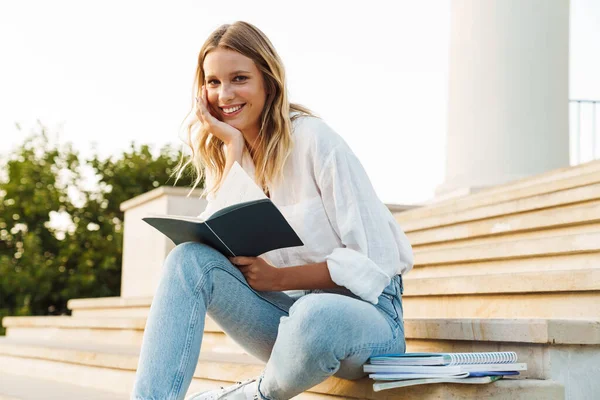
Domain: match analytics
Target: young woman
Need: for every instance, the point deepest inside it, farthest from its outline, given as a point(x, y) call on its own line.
point(308, 312)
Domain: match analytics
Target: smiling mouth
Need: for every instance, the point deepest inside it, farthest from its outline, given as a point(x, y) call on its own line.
point(232, 110)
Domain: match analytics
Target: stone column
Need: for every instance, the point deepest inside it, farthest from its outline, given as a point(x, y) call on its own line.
point(508, 92)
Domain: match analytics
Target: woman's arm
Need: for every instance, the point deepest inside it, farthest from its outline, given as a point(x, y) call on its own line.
point(234, 152)
point(374, 247)
point(304, 277)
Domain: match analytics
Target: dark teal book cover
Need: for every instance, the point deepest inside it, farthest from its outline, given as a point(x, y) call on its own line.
point(245, 229)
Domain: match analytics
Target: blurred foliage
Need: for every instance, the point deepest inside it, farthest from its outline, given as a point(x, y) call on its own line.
point(42, 266)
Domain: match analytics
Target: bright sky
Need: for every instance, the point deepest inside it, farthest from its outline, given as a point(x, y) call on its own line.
point(112, 72)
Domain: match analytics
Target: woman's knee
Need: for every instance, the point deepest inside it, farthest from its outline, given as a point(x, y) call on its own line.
point(314, 319)
point(192, 257)
point(316, 309)
point(351, 368)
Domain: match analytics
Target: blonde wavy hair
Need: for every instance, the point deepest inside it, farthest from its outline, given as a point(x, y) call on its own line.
point(274, 142)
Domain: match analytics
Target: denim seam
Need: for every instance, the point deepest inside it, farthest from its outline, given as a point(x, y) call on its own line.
point(180, 375)
point(396, 318)
point(214, 265)
point(203, 281)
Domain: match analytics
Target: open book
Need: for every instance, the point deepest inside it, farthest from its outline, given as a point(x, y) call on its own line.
point(245, 223)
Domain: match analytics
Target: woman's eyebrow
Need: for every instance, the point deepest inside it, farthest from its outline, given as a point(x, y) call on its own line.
point(239, 71)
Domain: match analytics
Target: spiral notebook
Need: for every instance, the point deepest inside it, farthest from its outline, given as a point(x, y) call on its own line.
point(444, 363)
point(498, 357)
point(399, 370)
point(443, 369)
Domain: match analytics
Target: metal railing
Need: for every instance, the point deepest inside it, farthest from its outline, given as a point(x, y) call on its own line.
point(583, 133)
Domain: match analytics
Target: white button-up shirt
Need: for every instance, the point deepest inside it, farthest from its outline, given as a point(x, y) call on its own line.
point(327, 197)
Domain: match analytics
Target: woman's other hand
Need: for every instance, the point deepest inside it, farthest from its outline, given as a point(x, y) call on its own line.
point(227, 133)
point(259, 274)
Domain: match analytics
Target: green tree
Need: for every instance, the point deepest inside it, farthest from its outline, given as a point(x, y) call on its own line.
point(42, 267)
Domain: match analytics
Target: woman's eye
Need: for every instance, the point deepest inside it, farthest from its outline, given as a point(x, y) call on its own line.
point(214, 81)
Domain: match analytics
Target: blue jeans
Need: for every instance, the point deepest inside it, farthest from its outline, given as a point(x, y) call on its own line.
point(303, 339)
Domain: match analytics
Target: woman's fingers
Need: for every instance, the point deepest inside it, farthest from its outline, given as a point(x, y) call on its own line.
point(203, 113)
point(241, 260)
point(209, 109)
point(199, 111)
point(209, 118)
point(204, 109)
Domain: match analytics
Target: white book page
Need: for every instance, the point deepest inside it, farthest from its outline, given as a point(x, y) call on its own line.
point(238, 187)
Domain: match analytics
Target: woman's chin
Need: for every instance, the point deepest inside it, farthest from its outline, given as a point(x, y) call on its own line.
point(236, 124)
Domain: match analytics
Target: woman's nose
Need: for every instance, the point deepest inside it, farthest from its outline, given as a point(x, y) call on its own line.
point(226, 94)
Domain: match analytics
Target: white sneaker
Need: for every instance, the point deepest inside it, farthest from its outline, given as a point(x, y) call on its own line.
point(246, 390)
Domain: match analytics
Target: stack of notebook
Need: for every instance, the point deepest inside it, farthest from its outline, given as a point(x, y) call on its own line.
point(399, 370)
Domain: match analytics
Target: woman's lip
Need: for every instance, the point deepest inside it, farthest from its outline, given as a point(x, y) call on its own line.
point(232, 105)
point(235, 113)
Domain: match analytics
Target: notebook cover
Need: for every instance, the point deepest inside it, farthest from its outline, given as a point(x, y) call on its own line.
point(246, 229)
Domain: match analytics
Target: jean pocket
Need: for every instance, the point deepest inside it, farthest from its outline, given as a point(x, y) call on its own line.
point(386, 304)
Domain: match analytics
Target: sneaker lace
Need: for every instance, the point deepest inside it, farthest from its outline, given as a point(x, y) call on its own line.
point(234, 387)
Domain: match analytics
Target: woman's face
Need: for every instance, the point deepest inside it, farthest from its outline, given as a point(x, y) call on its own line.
point(233, 80)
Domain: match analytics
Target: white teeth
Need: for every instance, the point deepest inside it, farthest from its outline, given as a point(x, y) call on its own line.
point(231, 110)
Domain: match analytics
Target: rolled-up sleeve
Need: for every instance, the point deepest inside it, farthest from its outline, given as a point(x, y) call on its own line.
point(375, 247)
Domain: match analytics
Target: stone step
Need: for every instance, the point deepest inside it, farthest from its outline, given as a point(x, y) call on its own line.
point(540, 264)
point(532, 330)
point(579, 305)
point(561, 231)
point(114, 367)
point(564, 305)
point(511, 249)
point(552, 221)
point(528, 337)
point(578, 194)
point(552, 181)
point(584, 280)
point(110, 307)
point(419, 304)
point(515, 294)
point(121, 331)
point(18, 387)
point(556, 294)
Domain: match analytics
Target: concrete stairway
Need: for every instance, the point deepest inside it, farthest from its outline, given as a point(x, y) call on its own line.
point(516, 267)
point(101, 352)
point(528, 249)
point(109, 366)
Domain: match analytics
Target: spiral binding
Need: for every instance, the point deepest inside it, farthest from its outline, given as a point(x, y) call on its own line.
point(500, 357)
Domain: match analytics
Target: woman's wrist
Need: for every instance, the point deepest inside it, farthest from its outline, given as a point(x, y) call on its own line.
point(307, 276)
point(237, 142)
point(235, 149)
point(280, 282)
